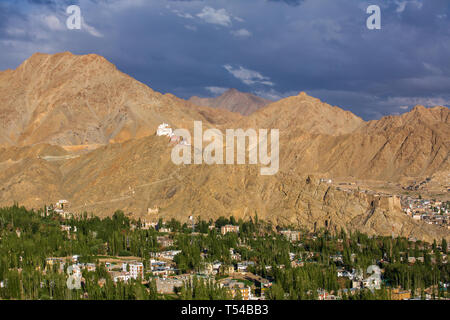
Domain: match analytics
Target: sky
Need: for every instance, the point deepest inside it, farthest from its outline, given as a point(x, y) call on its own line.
point(272, 48)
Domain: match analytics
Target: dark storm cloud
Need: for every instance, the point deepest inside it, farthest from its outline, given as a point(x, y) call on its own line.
point(273, 48)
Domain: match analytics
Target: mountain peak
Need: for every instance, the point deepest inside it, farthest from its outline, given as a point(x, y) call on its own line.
point(39, 59)
point(233, 100)
point(71, 100)
point(39, 56)
point(419, 108)
point(232, 90)
point(421, 112)
point(306, 113)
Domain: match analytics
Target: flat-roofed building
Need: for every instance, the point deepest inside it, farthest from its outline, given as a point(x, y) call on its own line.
point(229, 228)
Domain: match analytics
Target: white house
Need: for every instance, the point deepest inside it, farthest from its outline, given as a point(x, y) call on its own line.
point(242, 266)
point(123, 276)
point(136, 269)
point(216, 265)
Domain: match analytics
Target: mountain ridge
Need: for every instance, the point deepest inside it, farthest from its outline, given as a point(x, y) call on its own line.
point(50, 100)
point(233, 100)
point(67, 99)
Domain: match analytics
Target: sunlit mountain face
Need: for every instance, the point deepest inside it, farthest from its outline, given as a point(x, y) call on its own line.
point(272, 49)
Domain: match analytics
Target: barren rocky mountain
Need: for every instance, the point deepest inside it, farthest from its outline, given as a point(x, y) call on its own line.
point(318, 138)
point(213, 191)
point(138, 174)
point(304, 113)
point(53, 108)
point(234, 101)
point(65, 99)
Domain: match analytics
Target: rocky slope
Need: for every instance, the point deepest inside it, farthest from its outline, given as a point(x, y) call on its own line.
point(65, 99)
point(318, 138)
point(54, 107)
point(138, 174)
point(234, 101)
point(304, 113)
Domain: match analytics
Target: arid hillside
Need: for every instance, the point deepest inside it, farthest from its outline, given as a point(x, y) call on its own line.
point(76, 128)
point(304, 113)
point(318, 138)
point(234, 101)
point(65, 99)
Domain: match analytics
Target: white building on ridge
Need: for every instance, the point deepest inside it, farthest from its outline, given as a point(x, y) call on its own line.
point(164, 130)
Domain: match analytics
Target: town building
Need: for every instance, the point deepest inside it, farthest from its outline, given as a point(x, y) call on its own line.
point(290, 235)
point(168, 285)
point(229, 228)
point(136, 269)
point(225, 269)
point(234, 286)
point(243, 266)
point(165, 241)
point(147, 225)
point(123, 276)
point(397, 294)
point(234, 255)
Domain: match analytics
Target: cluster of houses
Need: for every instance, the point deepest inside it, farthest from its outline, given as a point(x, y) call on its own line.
point(169, 285)
point(129, 270)
point(73, 261)
point(416, 185)
point(136, 270)
point(428, 211)
point(167, 282)
point(235, 255)
point(165, 241)
point(161, 268)
point(358, 281)
point(161, 265)
point(168, 254)
point(218, 267)
point(323, 294)
point(236, 287)
point(60, 207)
point(290, 235)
